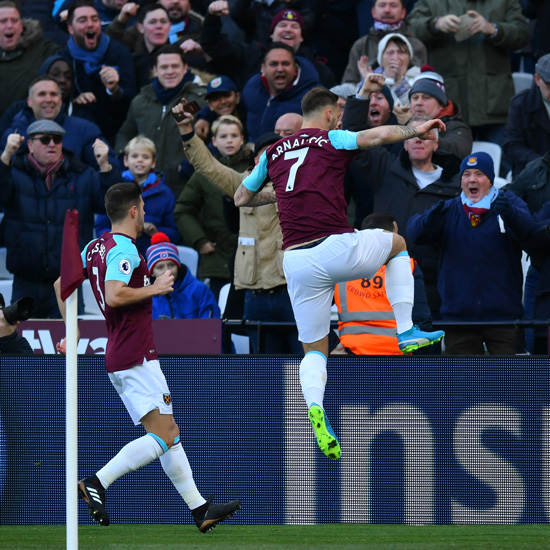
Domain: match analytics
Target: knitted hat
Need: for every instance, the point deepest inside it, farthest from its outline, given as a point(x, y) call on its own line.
point(286, 15)
point(384, 42)
point(481, 161)
point(161, 249)
point(429, 83)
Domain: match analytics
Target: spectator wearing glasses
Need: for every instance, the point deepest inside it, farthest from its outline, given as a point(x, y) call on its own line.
point(38, 186)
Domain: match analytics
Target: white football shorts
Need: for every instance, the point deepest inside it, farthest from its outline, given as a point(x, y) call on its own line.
point(143, 388)
point(312, 273)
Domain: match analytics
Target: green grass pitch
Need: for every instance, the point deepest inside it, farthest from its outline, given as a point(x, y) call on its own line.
point(277, 537)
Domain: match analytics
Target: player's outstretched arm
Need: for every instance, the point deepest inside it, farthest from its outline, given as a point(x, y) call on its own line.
point(118, 294)
point(245, 197)
point(383, 135)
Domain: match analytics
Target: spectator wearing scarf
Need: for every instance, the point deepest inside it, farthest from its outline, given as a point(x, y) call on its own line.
point(38, 187)
point(150, 112)
point(104, 77)
point(480, 278)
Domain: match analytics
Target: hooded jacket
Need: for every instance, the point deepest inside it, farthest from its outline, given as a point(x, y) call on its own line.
point(191, 299)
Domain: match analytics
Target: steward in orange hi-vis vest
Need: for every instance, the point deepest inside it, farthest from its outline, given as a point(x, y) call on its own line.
point(366, 322)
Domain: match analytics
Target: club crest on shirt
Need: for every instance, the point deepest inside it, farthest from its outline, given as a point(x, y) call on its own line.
point(124, 266)
point(167, 398)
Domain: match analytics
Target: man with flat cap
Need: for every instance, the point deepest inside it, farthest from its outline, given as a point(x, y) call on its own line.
point(38, 186)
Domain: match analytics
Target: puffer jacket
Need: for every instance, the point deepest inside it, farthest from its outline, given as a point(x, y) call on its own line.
point(32, 228)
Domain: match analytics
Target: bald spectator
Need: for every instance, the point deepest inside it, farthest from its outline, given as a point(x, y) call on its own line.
point(389, 17)
point(277, 90)
point(22, 51)
point(288, 124)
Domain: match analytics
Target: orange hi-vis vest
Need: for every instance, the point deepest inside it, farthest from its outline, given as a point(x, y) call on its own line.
point(366, 322)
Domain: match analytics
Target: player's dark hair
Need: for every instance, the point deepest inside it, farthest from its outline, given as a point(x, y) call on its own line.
point(378, 220)
point(75, 6)
point(120, 198)
point(316, 99)
point(279, 46)
point(144, 10)
point(170, 49)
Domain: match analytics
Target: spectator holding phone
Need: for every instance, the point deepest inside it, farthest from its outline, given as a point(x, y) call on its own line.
point(149, 112)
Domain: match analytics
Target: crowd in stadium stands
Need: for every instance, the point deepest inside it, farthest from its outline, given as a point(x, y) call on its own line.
point(96, 80)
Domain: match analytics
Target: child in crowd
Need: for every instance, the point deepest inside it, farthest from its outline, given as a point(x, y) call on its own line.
point(199, 211)
point(191, 298)
point(223, 98)
point(139, 158)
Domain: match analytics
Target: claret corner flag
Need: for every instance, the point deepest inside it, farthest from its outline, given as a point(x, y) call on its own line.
point(72, 272)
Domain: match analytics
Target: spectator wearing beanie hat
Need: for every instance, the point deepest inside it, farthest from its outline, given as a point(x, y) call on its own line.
point(478, 235)
point(428, 97)
point(241, 60)
point(191, 298)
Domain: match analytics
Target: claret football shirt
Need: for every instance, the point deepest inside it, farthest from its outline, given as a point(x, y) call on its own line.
point(307, 170)
point(114, 257)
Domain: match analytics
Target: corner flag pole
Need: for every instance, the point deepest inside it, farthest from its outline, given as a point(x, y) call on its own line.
point(71, 278)
point(71, 421)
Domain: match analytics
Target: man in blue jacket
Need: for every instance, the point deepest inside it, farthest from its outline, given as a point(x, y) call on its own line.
point(103, 68)
point(480, 236)
point(44, 102)
point(38, 187)
point(277, 90)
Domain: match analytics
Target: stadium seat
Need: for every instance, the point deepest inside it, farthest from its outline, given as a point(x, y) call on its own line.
point(5, 290)
point(522, 81)
point(493, 149)
point(190, 257)
point(4, 273)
